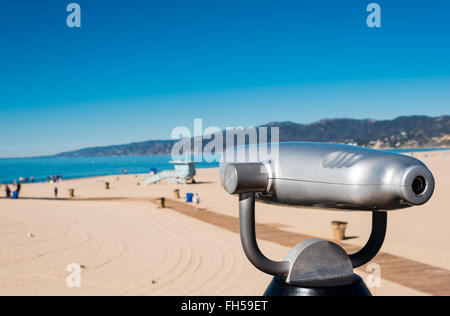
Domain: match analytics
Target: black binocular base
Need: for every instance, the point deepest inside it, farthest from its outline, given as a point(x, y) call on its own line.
point(278, 287)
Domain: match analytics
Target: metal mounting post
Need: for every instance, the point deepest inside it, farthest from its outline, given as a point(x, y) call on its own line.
point(376, 240)
point(289, 269)
point(249, 242)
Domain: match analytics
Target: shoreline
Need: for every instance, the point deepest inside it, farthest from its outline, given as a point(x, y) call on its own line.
point(425, 149)
point(409, 152)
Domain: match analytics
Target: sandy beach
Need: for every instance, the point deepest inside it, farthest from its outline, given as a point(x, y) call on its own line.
point(127, 246)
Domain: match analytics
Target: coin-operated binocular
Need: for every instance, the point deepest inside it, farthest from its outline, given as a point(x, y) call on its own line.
point(326, 176)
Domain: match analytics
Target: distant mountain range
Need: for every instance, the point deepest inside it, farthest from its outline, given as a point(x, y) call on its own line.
point(402, 132)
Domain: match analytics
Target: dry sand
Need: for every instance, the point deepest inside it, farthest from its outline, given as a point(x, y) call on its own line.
point(132, 248)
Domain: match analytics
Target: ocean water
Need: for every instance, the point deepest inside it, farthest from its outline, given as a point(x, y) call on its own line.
point(71, 168)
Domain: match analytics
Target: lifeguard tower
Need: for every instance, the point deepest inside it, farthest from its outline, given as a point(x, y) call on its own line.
point(184, 172)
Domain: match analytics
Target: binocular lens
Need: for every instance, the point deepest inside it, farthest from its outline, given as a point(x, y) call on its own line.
point(419, 185)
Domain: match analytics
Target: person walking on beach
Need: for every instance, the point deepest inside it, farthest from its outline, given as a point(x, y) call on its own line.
point(18, 188)
point(197, 201)
point(56, 192)
point(8, 191)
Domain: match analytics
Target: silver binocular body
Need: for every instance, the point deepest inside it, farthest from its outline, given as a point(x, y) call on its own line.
point(329, 176)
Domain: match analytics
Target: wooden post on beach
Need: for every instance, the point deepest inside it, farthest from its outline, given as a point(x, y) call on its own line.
point(161, 202)
point(176, 193)
point(107, 186)
point(339, 230)
point(71, 193)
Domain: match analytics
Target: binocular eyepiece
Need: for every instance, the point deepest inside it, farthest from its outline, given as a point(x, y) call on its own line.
point(331, 176)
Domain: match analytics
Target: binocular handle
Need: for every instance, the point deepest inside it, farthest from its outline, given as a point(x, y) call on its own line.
point(282, 268)
point(249, 242)
point(376, 240)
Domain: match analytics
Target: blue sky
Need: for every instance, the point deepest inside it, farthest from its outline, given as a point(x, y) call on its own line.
point(137, 69)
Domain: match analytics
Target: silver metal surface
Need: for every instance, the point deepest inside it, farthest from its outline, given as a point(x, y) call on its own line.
point(327, 176)
point(242, 178)
point(342, 177)
point(317, 262)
